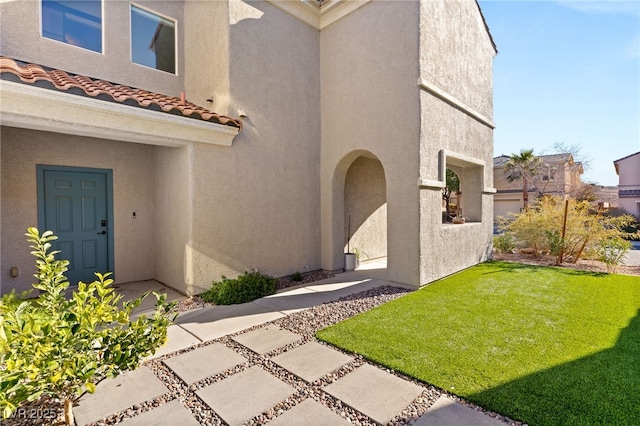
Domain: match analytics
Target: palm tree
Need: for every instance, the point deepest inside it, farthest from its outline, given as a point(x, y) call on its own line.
point(524, 166)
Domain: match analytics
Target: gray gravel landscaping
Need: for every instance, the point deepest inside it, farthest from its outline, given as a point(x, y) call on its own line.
point(304, 323)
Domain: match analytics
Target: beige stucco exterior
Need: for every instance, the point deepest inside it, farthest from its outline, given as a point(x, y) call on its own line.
point(352, 109)
point(628, 170)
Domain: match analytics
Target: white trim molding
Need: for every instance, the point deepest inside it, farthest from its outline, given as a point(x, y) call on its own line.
point(316, 16)
point(36, 108)
point(454, 102)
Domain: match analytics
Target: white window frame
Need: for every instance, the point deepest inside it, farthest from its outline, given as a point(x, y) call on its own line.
point(102, 26)
point(161, 15)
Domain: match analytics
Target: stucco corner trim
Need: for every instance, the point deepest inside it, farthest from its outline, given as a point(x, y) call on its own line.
point(35, 108)
point(454, 102)
point(431, 184)
point(489, 190)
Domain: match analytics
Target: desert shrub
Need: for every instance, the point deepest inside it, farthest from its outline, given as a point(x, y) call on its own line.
point(555, 242)
point(540, 227)
point(611, 251)
point(58, 347)
point(245, 288)
point(297, 277)
point(504, 243)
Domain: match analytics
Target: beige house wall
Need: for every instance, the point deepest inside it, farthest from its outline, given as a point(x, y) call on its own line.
point(173, 202)
point(629, 180)
point(133, 188)
point(370, 107)
point(456, 129)
point(255, 204)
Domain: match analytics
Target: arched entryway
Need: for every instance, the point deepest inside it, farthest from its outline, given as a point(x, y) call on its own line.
point(365, 209)
point(358, 189)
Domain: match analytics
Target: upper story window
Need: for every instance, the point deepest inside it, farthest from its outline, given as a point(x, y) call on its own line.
point(153, 40)
point(75, 22)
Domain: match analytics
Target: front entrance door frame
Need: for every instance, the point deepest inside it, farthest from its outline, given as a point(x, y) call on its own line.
point(42, 168)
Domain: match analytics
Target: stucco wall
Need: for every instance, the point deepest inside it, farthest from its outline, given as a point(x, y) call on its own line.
point(133, 187)
point(255, 204)
point(370, 105)
point(20, 27)
point(173, 211)
point(456, 56)
point(206, 71)
point(629, 180)
point(456, 51)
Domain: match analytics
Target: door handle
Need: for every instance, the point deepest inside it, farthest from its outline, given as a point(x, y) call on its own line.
point(102, 233)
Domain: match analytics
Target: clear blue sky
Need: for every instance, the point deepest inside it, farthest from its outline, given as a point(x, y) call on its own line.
point(568, 72)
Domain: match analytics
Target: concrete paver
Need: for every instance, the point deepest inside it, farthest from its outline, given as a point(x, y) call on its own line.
point(204, 362)
point(309, 412)
point(177, 338)
point(325, 360)
point(171, 413)
point(243, 396)
point(266, 339)
point(447, 412)
point(119, 393)
point(217, 321)
point(374, 392)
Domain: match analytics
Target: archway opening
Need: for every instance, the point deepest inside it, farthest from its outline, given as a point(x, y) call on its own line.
point(365, 209)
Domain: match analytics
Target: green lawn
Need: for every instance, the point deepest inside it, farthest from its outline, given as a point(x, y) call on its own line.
point(542, 345)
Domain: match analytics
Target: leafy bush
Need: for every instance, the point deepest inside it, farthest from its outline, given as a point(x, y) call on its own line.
point(504, 243)
point(58, 347)
point(245, 288)
point(297, 277)
point(611, 252)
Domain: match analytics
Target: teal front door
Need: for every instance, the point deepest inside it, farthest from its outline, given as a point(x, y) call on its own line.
point(75, 204)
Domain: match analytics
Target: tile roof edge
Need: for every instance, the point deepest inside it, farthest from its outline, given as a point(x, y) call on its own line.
point(79, 85)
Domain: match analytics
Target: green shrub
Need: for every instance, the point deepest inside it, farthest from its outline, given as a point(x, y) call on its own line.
point(555, 241)
point(504, 243)
point(297, 277)
point(61, 347)
point(611, 252)
point(245, 288)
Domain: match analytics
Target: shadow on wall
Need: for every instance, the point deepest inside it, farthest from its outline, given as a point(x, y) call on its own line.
point(365, 207)
point(577, 400)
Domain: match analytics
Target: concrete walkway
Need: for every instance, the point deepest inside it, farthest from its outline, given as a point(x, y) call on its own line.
point(244, 389)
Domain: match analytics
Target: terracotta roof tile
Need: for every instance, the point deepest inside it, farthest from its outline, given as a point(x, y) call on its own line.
point(38, 75)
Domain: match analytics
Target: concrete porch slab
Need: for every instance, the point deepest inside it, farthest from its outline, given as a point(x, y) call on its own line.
point(136, 289)
point(117, 394)
point(311, 361)
point(243, 396)
point(266, 339)
point(309, 412)
point(217, 321)
point(447, 412)
point(171, 413)
point(177, 338)
point(204, 362)
point(377, 394)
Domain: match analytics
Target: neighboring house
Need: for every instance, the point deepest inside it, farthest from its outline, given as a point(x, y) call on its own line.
point(628, 171)
point(560, 175)
point(185, 140)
